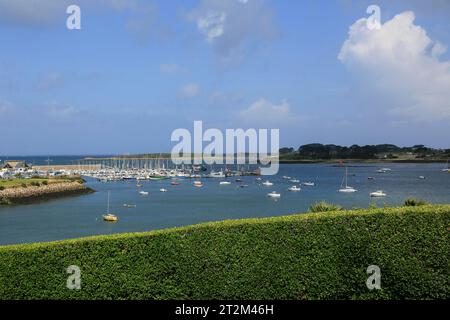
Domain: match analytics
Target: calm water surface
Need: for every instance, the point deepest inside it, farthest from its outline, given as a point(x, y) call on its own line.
point(184, 204)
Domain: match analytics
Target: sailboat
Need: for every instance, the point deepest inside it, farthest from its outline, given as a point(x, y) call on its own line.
point(344, 186)
point(108, 216)
point(448, 167)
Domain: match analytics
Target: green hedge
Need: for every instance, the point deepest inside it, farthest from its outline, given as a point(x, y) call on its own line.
point(308, 256)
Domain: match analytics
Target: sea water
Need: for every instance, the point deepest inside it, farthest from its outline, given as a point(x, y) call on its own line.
point(181, 205)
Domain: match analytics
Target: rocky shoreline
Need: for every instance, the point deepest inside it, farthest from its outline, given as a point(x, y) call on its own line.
point(29, 194)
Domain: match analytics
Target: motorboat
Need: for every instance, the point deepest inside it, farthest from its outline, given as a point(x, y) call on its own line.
point(215, 174)
point(143, 193)
point(267, 183)
point(225, 183)
point(274, 194)
point(294, 188)
point(294, 181)
point(162, 190)
point(158, 177)
point(309, 184)
point(198, 184)
point(378, 194)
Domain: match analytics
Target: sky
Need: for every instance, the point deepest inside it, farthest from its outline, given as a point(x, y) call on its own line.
point(139, 69)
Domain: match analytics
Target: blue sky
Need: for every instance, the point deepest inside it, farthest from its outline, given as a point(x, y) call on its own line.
point(137, 70)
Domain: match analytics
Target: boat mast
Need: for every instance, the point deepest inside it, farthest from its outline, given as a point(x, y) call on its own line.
point(107, 208)
point(346, 177)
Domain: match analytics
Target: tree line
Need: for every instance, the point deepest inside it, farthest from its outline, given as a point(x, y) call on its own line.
point(317, 151)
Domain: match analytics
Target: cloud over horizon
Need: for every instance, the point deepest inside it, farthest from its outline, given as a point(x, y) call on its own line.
point(400, 68)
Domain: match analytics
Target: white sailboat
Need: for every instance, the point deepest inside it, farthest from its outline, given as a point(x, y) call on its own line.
point(448, 167)
point(345, 188)
point(108, 216)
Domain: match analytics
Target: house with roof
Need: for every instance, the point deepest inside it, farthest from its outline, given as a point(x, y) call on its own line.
point(15, 164)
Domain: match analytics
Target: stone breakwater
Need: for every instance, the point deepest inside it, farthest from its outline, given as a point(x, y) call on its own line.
point(30, 193)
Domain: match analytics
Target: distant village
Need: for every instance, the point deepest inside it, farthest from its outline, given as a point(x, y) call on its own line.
point(11, 169)
point(16, 168)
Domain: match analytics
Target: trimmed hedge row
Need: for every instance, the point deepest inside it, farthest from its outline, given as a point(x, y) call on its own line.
point(308, 256)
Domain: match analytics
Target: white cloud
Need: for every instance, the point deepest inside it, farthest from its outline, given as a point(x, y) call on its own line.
point(212, 25)
point(263, 112)
point(234, 27)
point(401, 65)
point(190, 90)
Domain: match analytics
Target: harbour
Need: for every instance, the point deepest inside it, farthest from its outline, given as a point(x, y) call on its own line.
point(185, 203)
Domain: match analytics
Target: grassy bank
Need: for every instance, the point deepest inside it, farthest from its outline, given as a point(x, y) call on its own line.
point(23, 191)
point(20, 182)
point(310, 256)
point(43, 197)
